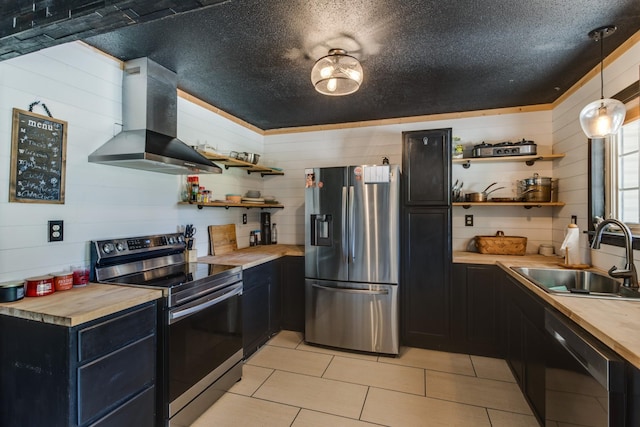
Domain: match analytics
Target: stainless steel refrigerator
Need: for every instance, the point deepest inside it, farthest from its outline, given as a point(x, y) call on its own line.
point(352, 250)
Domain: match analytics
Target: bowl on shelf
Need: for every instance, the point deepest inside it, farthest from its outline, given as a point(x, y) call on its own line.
point(253, 194)
point(234, 198)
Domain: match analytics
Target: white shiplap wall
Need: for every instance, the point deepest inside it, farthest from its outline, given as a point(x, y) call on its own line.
point(368, 145)
point(572, 170)
point(83, 87)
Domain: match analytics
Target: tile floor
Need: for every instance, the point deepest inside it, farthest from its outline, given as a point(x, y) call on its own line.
point(289, 383)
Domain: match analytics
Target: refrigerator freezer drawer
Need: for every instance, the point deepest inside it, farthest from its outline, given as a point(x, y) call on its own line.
point(355, 316)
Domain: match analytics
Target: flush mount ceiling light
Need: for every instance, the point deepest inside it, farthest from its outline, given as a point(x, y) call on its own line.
point(603, 117)
point(337, 73)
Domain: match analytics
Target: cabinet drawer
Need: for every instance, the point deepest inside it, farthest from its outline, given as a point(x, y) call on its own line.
point(108, 381)
point(114, 333)
point(136, 412)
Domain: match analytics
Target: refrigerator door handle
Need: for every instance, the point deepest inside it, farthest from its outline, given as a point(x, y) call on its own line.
point(352, 240)
point(345, 255)
point(351, 291)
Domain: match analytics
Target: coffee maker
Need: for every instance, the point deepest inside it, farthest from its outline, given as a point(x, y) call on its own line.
point(265, 227)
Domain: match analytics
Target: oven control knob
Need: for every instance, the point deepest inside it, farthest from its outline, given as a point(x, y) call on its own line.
point(119, 247)
point(172, 240)
point(107, 248)
point(181, 239)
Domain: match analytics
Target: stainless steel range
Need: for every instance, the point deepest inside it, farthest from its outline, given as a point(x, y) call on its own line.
point(501, 149)
point(200, 351)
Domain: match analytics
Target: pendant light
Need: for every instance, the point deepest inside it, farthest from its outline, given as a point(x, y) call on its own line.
point(337, 74)
point(603, 117)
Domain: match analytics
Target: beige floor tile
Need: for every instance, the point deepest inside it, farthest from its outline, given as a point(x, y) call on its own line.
point(234, 410)
point(476, 391)
point(335, 352)
point(252, 378)
point(308, 418)
point(391, 377)
point(433, 360)
point(289, 339)
point(509, 419)
point(286, 359)
point(391, 408)
point(492, 369)
point(313, 393)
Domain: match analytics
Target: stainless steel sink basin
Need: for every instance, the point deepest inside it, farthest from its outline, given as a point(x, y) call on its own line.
point(581, 283)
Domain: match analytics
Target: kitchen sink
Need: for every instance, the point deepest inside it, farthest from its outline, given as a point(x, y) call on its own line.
point(583, 283)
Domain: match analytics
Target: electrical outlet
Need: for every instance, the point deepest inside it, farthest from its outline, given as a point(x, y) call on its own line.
point(56, 230)
point(574, 219)
point(244, 218)
point(468, 220)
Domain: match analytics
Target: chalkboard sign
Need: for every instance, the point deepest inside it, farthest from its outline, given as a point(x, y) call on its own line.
point(38, 158)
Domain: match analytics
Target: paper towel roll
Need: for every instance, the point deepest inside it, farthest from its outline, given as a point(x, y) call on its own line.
point(571, 245)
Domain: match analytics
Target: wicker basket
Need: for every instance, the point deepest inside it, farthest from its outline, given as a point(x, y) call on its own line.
point(501, 244)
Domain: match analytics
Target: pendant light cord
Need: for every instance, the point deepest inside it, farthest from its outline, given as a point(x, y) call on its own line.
point(601, 65)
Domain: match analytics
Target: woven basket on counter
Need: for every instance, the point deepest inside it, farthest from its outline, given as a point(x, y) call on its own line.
point(501, 244)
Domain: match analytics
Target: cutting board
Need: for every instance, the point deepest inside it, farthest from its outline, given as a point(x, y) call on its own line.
point(222, 239)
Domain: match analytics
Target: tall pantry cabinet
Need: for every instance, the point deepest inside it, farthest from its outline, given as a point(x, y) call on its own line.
point(426, 239)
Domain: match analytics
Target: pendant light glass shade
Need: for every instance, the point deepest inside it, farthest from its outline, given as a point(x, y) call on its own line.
point(337, 74)
point(603, 117)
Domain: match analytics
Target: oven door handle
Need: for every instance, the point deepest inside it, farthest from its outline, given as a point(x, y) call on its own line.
point(176, 315)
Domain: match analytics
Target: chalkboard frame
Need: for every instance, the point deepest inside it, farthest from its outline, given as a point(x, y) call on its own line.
point(60, 141)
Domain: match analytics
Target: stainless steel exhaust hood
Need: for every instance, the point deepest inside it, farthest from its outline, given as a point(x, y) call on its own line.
point(149, 117)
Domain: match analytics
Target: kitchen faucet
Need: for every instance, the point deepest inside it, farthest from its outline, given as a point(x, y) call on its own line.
point(629, 273)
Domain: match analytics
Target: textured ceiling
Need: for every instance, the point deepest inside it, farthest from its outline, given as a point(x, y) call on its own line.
point(253, 58)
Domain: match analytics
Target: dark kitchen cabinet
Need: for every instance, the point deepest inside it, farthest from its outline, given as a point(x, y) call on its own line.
point(426, 167)
point(426, 291)
point(260, 305)
point(526, 341)
point(426, 240)
point(633, 395)
point(292, 288)
point(477, 309)
point(101, 373)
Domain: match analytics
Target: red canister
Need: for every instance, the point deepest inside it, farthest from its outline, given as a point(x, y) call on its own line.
point(39, 286)
point(62, 280)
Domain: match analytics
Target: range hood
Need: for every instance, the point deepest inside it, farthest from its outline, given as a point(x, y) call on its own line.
point(149, 118)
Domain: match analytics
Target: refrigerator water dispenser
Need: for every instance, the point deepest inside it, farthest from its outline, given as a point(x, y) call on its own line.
point(320, 230)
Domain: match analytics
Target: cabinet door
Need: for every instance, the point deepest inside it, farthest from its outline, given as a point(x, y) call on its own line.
point(426, 167)
point(275, 297)
point(256, 306)
point(484, 319)
point(527, 343)
point(534, 345)
point(476, 308)
point(292, 287)
point(425, 288)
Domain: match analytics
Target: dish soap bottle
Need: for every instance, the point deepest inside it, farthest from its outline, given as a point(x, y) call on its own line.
point(274, 234)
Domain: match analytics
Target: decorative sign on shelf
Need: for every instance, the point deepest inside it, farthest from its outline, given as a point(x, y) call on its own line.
point(38, 158)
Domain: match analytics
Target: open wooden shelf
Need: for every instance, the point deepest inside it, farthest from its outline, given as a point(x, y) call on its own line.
point(227, 205)
point(230, 162)
point(526, 205)
point(528, 160)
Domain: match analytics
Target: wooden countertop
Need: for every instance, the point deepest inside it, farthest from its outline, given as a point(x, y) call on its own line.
point(79, 305)
point(254, 255)
point(614, 322)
